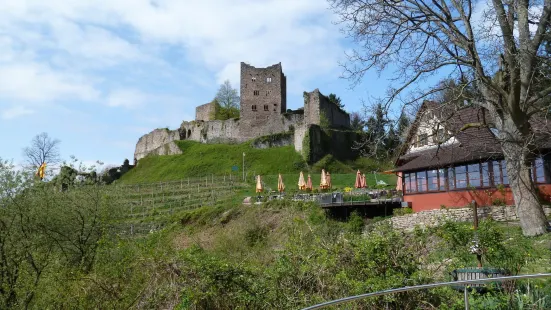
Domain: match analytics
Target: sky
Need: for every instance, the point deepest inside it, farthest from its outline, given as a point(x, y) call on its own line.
point(99, 74)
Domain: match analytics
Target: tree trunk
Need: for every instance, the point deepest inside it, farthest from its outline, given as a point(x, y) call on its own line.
point(518, 158)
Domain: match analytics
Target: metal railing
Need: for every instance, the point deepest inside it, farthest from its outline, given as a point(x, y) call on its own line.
point(428, 286)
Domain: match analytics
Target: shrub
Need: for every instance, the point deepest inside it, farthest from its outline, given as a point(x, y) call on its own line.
point(402, 211)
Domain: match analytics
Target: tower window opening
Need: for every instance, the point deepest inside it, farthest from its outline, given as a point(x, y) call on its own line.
point(256, 92)
point(254, 107)
point(269, 80)
point(254, 79)
point(266, 107)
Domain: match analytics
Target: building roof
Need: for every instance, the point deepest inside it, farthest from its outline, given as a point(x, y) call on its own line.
point(473, 143)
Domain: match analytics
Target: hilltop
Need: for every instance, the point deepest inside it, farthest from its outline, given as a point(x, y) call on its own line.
point(200, 159)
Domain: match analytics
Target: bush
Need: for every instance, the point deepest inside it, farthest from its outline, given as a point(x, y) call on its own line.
point(402, 211)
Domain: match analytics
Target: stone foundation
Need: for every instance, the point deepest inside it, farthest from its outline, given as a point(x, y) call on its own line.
point(431, 218)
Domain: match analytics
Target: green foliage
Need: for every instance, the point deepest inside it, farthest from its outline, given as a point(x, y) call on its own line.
point(355, 223)
point(199, 159)
point(306, 150)
point(331, 164)
point(223, 113)
point(402, 211)
point(500, 248)
point(336, 100)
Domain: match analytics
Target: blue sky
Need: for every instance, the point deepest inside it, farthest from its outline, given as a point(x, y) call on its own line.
point(99, 74)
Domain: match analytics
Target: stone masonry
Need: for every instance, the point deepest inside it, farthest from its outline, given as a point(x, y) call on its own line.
point(431, 218)
point(263, 111)
point(205, 112)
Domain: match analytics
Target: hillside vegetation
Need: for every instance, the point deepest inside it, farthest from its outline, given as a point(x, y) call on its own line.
point(200, 160)
point(72, 250)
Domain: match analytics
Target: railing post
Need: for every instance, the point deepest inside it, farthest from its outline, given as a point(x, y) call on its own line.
point(466, 297)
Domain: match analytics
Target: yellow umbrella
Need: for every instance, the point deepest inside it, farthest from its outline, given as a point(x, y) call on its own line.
point(328, 179)
point(323, 181)
point(280, 185)
point(259, 188)
point(301, 183)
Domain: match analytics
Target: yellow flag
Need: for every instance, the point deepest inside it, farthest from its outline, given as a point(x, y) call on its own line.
point(41, 171)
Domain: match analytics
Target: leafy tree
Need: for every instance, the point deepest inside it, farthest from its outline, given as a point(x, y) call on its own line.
point(43, 149)
point(221, 113)
point(336, 100)
point(228, 101)
point(506, 58)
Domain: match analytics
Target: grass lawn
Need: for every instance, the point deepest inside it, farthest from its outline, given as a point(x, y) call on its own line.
point(199, 159)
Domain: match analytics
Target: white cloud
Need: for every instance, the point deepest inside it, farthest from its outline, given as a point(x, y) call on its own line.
point(128, 98)
point(16, 111)
point(219, 34)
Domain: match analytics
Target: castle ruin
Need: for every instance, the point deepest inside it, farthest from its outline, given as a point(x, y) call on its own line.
point(263, 112)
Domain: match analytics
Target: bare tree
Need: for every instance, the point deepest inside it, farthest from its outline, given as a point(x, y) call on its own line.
point(498, 42)
point(43, 149)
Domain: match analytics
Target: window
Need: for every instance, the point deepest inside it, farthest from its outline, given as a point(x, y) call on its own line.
point(485, 174)
point(256, 92)
point(432, 180)
point(451, 178)
point(411, 183)
point(268, 92)
point(461, 177)
point(422, 140)
point(504, 172)
point(539, 170)
point(407, 187)
point(254, 79)
point(254, 107)
point(442, 176)
point(496, 169)
point(474, 174)
point(421, 181)
point(266, 107)
point(269, 80)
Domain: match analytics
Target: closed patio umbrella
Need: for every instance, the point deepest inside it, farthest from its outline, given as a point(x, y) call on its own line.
point(259, 188)
point(328, 179)
point(364, 182)
point(358, 183)
point(309, 183)
point(301, 183)
point(323, 181)
point(280, 185)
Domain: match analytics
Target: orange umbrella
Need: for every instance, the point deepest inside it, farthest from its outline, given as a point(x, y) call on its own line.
point(364, 182)
point(323, 181)
point(259, 188)
point(328, 179)
point(358, 183)
point(280, 185)
point(309, 183)
point(301, 183)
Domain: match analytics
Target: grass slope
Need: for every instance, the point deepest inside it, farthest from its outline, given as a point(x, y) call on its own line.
point(199, 159)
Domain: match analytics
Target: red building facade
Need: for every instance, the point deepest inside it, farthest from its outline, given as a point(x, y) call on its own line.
point(442, 164)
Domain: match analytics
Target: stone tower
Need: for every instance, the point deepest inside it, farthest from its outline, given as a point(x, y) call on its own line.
point(263, 94)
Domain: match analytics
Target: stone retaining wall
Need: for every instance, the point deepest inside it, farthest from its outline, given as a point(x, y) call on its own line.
point(436, 217)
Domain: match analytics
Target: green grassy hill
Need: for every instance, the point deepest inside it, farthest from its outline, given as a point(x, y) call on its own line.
point(199, 159)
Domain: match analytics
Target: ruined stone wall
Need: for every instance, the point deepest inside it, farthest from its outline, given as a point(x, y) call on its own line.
point(432, 218)
point(226, 131)
point(150, 142)
point(205, 112)
point(316, 105)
